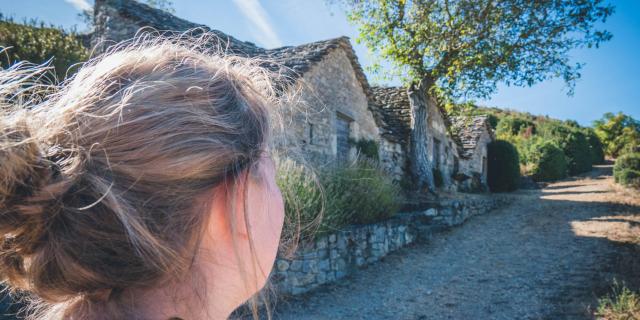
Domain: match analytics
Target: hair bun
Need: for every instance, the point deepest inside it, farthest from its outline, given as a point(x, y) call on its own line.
point(24, 176)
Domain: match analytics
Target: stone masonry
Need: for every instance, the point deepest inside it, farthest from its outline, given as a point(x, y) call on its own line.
point(333, 103)
point(474, 134)
point(336, 255)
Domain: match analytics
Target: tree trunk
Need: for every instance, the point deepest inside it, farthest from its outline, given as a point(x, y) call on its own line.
point(421, 167)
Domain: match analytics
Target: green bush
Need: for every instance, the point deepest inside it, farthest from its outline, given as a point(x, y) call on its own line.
point(38, 43)
point(366, 147)
point(619, 133)
point(493, 121)
point(348, 193)
point(577, 150)
point(503, 167)
point(547, 161)
point(303, 199)
point(626, 171)
point(511, 125)
point(596, 148)
point(621, 304)
point(573, 143)
point(525, 147)
point(372, 195)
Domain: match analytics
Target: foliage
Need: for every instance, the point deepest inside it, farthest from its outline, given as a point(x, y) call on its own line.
point(303, 200)
point(438, 180)
point(596, 147)
point(503, 166)
point(38, 43)
point(327, 199)
point(548, 161)
point(573, 143)
point(493, 121)
point(511, 125)
point(367, 147)
point(466, 47)
point(526, 147)
point(373, 196)
point(622, 304)
point(619, 133)
point(581, 146)
point(626, 170)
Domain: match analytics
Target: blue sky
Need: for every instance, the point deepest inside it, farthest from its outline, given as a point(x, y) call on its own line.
point(609, 80)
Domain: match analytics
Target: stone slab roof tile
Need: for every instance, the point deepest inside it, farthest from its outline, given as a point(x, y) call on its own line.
point(392, 109)
point(291, 61)
point(468, 131)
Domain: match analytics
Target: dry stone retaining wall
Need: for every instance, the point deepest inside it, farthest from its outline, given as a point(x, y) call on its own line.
point(333, 256)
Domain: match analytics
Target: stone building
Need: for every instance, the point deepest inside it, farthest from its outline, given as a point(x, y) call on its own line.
point(422, 134)
point(331, 99)
point(333, 104)
point(474, 134)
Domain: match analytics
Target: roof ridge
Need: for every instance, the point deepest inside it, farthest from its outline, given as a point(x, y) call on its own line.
point(292, 61)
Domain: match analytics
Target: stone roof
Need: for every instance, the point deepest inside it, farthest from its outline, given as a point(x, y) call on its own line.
point(392, 109)
point(468, 131)
point(290, 61)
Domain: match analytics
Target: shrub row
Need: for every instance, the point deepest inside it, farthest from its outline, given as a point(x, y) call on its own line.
point(328, 198)
point(626, 171)
point(503, 166)
point(538, 144)
point(548, 161)
point(38, 43)
point(573, 142)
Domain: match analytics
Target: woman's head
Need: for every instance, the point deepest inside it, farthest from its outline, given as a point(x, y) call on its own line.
point(118, 179)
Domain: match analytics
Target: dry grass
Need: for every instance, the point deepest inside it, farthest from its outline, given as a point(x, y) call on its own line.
point(622, 304)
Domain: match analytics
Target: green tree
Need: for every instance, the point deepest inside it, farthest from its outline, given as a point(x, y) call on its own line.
point(513, 125)
point(626, 170)
point(38, 43)
point(619, 133)
point(573, 143)
point(548, 161)
point(464, 48)
point(596, 146)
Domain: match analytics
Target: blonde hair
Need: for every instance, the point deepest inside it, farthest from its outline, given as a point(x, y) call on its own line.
point(98, 178)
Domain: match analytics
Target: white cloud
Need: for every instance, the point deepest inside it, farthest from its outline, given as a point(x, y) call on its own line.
point(81, 5)
point(255, 13)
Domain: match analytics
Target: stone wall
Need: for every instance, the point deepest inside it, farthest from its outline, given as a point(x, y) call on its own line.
point(393, 159)
point(442, 156)
point(334, 256)
point(330, 88)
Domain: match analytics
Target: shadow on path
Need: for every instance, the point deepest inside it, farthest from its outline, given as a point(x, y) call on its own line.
point(549, 255)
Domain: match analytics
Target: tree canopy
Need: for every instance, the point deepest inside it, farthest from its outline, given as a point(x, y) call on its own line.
point(38, 43)
point(466, 47)
point(620, 133)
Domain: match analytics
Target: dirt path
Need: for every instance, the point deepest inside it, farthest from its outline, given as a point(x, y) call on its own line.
point(548, 255)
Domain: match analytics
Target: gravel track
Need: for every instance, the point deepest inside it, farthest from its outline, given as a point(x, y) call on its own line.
point(548, 255)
